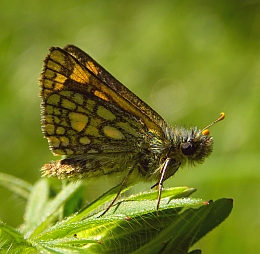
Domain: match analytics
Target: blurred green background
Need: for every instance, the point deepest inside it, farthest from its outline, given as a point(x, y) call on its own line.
point(189, 60)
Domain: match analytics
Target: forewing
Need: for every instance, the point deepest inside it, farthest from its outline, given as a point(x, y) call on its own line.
point(80, 114)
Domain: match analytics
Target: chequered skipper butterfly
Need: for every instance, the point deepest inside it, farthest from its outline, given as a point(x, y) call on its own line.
point(105, 129)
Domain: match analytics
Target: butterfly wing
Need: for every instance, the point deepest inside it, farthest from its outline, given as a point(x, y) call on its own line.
point(84, 113)
point(91, 117)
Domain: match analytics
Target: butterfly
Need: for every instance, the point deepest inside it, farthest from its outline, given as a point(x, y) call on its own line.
point(105, 129)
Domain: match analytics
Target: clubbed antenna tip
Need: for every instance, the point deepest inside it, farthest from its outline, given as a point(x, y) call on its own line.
point(205, 130)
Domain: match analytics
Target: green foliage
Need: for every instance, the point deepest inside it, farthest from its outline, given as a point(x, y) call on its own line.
point(55, 224)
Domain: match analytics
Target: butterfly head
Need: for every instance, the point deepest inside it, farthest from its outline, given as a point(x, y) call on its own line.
point(195, 145)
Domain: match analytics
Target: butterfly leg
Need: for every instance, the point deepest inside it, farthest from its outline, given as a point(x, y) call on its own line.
point(120, 190)
point(160, 183)
point(172, 164)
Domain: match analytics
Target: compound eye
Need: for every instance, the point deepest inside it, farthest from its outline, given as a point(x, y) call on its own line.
point(188, 148)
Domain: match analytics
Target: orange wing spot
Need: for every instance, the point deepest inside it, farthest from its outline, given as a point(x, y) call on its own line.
point(92, 151)
point(55, 142)
point(90, 105)
point(92, 131)
point(58, 152)
point(68, 104)
point(78, 121)
point(47, 83)
point(105, 113)
point(48, 119)
point(49, 129)
point(54, 63)
point(101, 95)
point(66, 93)
point(54, 99)
point(113, 132)
point(58, 87)
point(92, 67)
point(60, 78)
point(64, 141)
point(60, 130)
point(49, 109)
point(50, 74)
point(69, 152)
point(127, 128)
point(78, 98)
point(84, 140)
point(79, 75)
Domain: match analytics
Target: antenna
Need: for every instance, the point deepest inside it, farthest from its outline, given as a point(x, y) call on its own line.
point(205, 130)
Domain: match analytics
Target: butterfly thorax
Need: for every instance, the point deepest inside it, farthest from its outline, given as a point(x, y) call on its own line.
point(179, 144)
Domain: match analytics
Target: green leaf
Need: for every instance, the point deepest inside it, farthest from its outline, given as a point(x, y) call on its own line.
point(132, 225)
point(11, 241)
point(52, 208)
point(118, 229)
point(171, 193)
point(98, 203)
point(16, 185)
point(220, 210)
point(37, 200)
